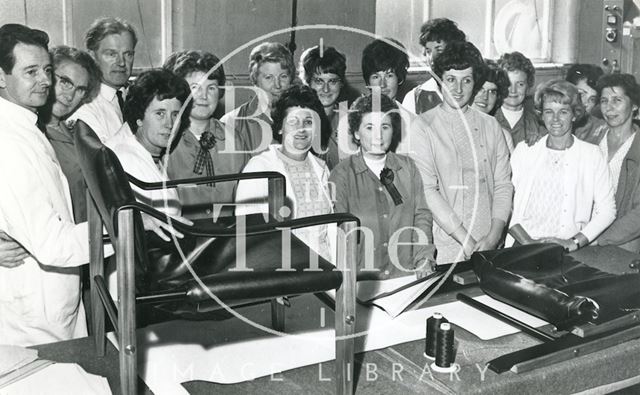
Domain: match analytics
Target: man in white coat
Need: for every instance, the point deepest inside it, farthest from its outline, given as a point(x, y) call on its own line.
point(39, 298)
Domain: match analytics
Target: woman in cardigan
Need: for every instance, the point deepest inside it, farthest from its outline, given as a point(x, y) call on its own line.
point(463, 159)
point(563, 191)
point(299, 123)
point(619, 102)
point(384, 190)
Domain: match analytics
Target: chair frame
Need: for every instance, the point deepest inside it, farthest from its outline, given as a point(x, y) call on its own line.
point(124, 318)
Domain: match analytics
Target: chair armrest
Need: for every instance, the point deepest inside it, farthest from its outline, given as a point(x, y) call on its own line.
point(148, 186)
point(268, 227)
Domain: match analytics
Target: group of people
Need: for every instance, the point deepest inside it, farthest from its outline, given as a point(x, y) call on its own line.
point(466, 162)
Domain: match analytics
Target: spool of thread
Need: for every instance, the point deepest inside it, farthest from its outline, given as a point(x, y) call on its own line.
point(433, 326)
point(445, 353)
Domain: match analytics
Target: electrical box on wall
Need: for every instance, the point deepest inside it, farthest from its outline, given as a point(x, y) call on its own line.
point(612, 32)
point(630, 61)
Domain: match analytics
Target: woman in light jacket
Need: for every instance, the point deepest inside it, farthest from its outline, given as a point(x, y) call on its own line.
point(299, 123)
point(563, 191)
point(463, 160)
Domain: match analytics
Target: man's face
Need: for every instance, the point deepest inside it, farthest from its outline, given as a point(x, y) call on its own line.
point(30, 79)
point(114, 56)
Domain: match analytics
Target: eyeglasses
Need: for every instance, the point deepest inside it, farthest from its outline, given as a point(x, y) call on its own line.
point(67, 85)
point(320, 83)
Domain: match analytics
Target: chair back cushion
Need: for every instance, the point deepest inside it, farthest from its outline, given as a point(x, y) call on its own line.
point(109, 187)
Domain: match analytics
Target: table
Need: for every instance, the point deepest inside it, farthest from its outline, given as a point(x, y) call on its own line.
point(401, 368)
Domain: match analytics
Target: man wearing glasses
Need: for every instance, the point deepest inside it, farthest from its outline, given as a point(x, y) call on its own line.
point(111, 42)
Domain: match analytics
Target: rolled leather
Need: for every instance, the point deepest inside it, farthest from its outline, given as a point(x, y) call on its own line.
point(541, 280)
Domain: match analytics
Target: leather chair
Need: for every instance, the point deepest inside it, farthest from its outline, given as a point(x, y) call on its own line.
point(154, 273)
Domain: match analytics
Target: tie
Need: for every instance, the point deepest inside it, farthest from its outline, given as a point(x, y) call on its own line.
point(120, 101)
point(203, 158)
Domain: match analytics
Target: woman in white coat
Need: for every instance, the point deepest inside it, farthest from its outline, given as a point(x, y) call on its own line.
point(299, 124)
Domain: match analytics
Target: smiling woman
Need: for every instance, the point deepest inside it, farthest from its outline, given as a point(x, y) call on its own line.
point(563, 189)
point(76, 81)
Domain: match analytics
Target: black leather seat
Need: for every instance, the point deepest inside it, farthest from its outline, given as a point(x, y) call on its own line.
point(181, 278)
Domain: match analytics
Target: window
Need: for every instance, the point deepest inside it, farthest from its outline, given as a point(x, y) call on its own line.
point(494, 26)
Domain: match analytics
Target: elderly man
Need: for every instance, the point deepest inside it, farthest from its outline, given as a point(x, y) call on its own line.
point(39, 298)
point(111, 42)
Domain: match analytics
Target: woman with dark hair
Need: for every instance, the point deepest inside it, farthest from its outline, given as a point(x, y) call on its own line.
point(463, 160)
point(495, 88)
point(300, 126)
point(206, 148)
point(151, 113)
point(383, 190)
point(587, 127)
point(324, 72)
point(619, 101)
point(384, 68)
point(77, 81)
point(435, 35)
point(563, 191)
point(271, 71)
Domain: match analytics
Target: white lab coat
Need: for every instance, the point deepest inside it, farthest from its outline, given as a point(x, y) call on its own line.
point(40, 299)
point(102, 114)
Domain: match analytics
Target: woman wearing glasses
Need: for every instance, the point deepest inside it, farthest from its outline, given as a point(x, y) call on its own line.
point(77, 81)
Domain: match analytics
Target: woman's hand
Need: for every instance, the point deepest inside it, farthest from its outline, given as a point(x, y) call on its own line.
point(486, 243)
point(427, 267)
point(12, 254)
point(163, 230)
point(568, 244)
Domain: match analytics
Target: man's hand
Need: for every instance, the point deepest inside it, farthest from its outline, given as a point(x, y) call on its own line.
point(11, 253)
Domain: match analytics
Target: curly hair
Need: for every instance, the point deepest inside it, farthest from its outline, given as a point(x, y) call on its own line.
point(516, 61)
point(494, 74)
point(440, 29)
point(365, 105)
point(184, 63)
point(559, 91)
point(590, 73)
point(625, 81)
point(460, 55)
point(331, 61)
point(270, 52)
point(379, 55)
point(156, 83)
point(103, 27)
point(10, 35)
point(63, 53)
point(300, 96)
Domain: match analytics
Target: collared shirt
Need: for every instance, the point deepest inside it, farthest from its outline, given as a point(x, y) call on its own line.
point(386, 246)
point(423, 97)
point(526, 126)
point(102, 114)
point(40, 299)
point(183, 158)
point(138, 162)
point(61, 139)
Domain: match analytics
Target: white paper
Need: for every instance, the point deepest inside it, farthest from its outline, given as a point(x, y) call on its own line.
point(165, 360)
point(62, 379)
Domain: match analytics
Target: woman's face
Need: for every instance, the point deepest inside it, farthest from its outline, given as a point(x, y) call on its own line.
point(375, 133)
point(273, 79)
point(72, 81)
point(433, 49)
point(299, 128)
point(327, 86)
point(517, 90)
point(557, 117)
point(205, 95)
point(486, 97)
point(387, 81)
point(588, 95)
point(617, 108)
point(457, 87)
point(154, 129)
